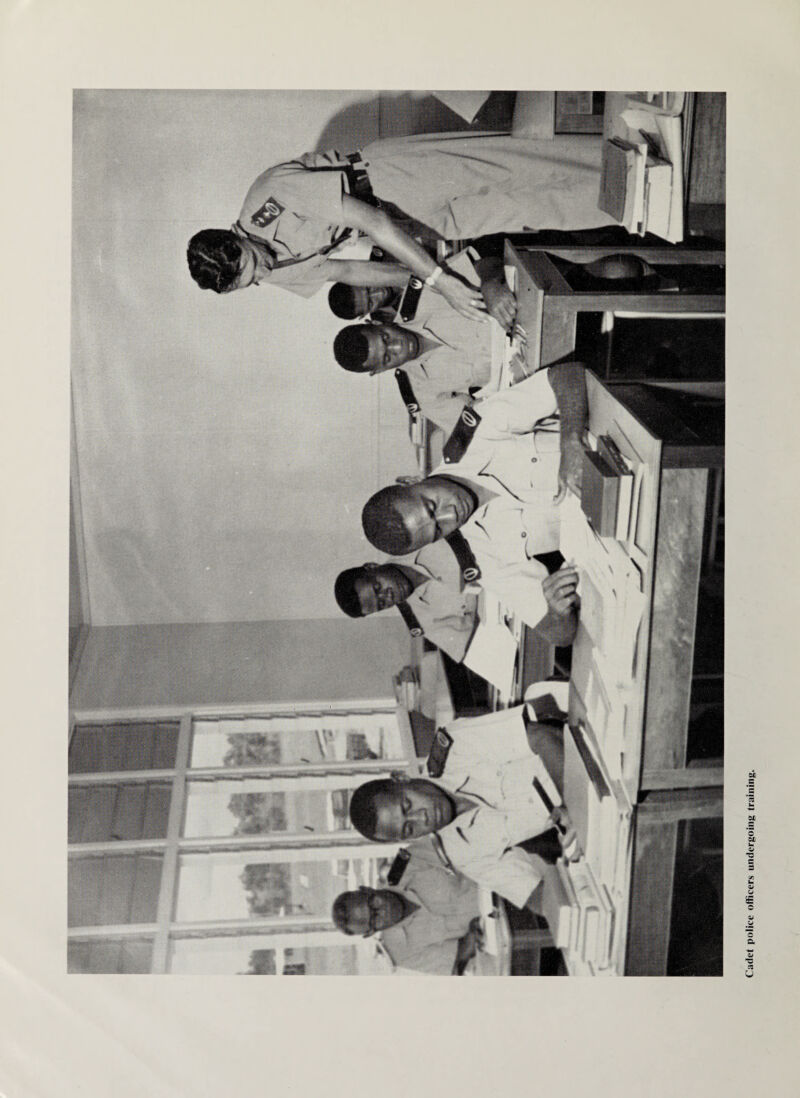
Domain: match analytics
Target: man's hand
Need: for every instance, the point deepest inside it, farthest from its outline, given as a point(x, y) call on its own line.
point(570, 469)
point(465, 299)
point(567, 835)
point(560, 590)
point(500, 302)
point(468, 946)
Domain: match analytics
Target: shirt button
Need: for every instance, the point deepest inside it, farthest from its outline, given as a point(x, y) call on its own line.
point(522, 535)
point(534, 459)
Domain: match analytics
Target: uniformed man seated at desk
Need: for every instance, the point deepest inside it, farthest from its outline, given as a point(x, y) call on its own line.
point(430, 592)
point(440, 358)
point(426, 918)
point(360, 302)
point(507, 466)
point(493, 783)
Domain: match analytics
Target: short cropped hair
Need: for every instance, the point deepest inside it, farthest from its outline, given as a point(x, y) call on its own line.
point(340, 912)
point(214, 257)
point(383, 524)
point(344, 591)
point(363, 816)
point(351, 348)
point(342, 301)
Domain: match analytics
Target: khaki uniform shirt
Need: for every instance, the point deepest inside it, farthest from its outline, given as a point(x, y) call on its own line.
point(513, 459)
point(459, 186)
point(490, 763)
point(446, 611)
point(427, 939)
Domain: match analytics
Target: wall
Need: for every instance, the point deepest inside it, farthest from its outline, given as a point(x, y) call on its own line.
point(239, 663)
point(224, 457)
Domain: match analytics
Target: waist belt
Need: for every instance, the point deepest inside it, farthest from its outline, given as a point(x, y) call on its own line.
point(358, 180)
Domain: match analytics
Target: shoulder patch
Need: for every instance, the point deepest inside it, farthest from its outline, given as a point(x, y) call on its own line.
point(458, 443)
point(442, 742)
point(398, 867)
point(267, 213)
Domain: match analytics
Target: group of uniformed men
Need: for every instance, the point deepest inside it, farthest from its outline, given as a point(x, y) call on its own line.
point(486, 516)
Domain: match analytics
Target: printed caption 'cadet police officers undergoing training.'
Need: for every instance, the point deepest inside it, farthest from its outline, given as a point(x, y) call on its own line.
point(297, 214)
point(481, 798)
point(426, 918)
point(430, 593)
point(446, 360)
point(507, 466)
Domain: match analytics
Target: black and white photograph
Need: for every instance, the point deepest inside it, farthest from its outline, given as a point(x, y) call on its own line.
point(453, 363)
point(398, 549)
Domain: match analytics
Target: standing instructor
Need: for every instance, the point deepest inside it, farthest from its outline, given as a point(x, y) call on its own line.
point(298, 214)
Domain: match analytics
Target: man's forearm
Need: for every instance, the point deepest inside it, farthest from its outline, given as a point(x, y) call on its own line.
point(357, 272)
point(559, 629)
point(383, 231)
point(568, 382)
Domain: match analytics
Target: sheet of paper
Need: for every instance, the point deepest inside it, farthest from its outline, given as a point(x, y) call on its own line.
point(492, 654)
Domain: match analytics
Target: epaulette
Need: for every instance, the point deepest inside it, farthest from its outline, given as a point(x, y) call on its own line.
point(440, 749)
point(398, 867)
point(458, 443)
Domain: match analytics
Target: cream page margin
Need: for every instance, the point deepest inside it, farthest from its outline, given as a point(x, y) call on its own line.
point(96, 1036)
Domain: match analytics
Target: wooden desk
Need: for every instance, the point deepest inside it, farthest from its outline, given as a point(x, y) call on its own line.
point(548, 307)
point(661, 789)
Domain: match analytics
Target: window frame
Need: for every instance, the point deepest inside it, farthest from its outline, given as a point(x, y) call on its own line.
point(282, 931)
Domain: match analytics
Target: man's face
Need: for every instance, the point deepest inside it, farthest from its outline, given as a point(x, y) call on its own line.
point(434, 508)
point(389, 347)
point(382, 585)
point(373, 909)
point(368, 298)
point(253, 267)
point(413, 808)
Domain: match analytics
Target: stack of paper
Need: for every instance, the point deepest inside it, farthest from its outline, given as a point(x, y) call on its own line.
point(622, 183)
point(591, 798)
point(636, 185)
point(592, 938)
point(557, 907)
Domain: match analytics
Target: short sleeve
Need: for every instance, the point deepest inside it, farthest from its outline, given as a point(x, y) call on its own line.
point(315, 194)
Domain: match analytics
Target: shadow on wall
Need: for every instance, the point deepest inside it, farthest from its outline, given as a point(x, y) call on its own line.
point(408, 113)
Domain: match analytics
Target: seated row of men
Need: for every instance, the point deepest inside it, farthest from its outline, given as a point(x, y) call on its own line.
point(488, 515)
point(494, 782)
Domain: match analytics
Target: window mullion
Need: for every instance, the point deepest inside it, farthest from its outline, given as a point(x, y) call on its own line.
point(169, 871)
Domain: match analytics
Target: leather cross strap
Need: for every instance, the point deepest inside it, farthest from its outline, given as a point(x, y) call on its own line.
point(410, 618)
point(470, 571)
point(406, 392)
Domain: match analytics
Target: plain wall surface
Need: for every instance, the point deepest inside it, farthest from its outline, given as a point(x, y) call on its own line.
point(239, 663)
point(224, 457)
